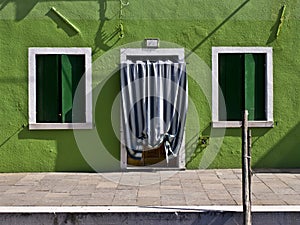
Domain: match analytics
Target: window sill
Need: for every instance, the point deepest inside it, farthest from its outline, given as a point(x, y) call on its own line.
point(60, 126)
point(236, 124)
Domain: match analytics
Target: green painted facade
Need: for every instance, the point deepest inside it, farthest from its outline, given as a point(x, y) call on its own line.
point(106, 26)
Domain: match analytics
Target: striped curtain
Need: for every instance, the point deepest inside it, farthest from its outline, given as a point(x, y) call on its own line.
point(154, 106)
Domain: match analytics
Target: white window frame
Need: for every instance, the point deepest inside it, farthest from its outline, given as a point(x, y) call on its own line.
point(269, 86)
point(32, 53)
point(126, 53)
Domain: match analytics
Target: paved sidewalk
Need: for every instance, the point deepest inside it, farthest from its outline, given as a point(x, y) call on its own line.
point(160, 188)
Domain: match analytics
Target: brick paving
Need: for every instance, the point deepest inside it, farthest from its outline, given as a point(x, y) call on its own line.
point(157, 188)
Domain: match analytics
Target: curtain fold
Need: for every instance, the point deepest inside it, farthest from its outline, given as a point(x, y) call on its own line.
point(154, 105)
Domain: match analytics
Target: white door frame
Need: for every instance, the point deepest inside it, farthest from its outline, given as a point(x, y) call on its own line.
point(136, 52)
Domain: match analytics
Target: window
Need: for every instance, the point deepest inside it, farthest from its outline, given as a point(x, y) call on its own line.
point(153, 109)
point(60, 88)
point(242, 78)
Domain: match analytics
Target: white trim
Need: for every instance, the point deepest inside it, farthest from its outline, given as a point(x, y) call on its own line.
point(129, 52)
point(62, 126)
point(242, 50)
point(123, 152)
point(232, 124)
point(32, 52)
point(181, 154)
point(269, 86)
point(146, 209)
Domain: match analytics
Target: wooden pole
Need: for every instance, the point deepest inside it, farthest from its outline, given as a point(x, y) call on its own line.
point(245, 171)
point(249, 166)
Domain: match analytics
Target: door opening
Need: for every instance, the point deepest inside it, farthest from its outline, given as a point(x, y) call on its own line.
point(153, 108)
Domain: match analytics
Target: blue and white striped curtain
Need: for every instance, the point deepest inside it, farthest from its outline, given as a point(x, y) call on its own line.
point(154, 106)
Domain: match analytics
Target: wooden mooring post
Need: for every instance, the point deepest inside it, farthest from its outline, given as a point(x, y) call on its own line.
point(246, 170)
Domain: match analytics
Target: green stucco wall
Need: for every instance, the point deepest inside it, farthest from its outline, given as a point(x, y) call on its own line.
point(196, 25)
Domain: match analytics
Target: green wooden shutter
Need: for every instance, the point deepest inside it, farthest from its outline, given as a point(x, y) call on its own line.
point(231, 84)
point(58, 78)
point(255, 86)
point(260, 86)
point(242, 81)
point(250, 85)
point(47, 88)
point(66, 89)
point(73, 68)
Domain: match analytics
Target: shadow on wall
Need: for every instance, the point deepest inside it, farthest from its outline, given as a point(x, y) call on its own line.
point(285, 154)
point(69, 157)
point(276, 27)
point(217, 28)
point(23, 7)
point(102, 38)
point(103, 115)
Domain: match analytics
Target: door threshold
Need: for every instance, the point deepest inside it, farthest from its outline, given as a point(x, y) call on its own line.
point(152, 169)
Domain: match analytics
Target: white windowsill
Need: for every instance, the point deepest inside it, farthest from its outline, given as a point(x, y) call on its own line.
point(60, 126)
point(233, 124)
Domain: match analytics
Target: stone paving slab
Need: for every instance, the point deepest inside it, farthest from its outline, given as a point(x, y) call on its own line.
point(157, 188)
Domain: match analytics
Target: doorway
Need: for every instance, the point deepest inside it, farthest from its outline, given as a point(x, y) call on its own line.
point(153, 108)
